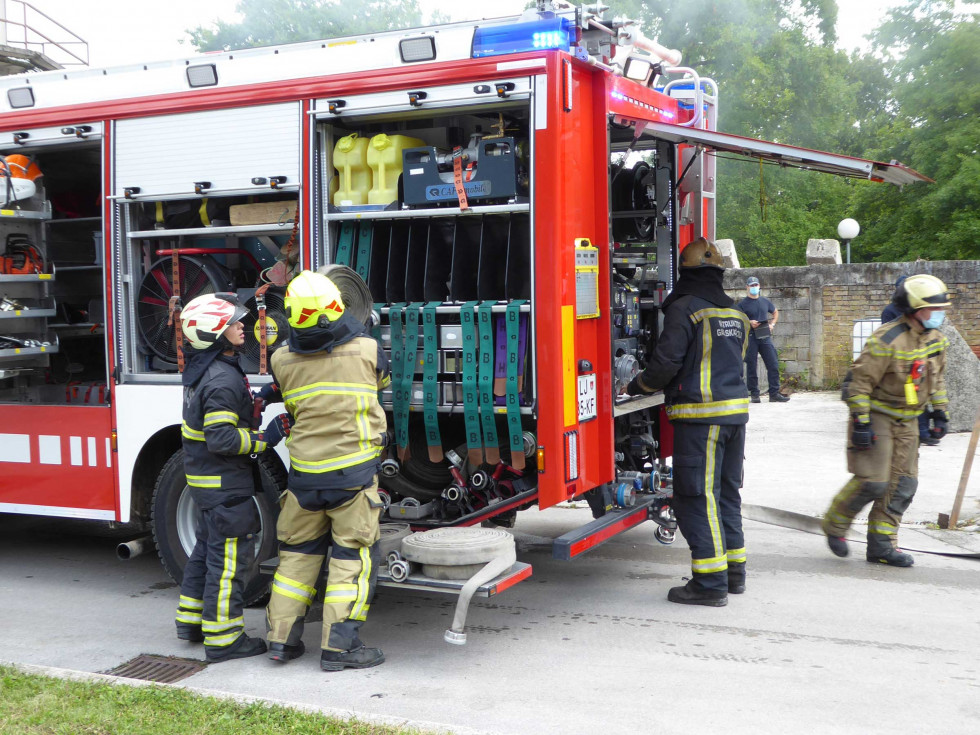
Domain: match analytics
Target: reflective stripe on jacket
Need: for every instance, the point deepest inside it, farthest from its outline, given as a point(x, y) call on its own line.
point(698, 363)
point(217, 436)
point(877, 379)
point(339, 424)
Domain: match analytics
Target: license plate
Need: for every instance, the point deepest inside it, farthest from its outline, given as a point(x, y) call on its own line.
point(586, 397)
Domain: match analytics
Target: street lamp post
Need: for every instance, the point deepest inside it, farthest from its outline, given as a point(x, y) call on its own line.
point(847, 230)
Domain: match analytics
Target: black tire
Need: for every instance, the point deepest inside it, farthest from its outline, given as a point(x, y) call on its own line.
point(174, 513)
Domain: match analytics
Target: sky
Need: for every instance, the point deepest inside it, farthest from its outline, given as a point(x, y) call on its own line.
point(149, 30)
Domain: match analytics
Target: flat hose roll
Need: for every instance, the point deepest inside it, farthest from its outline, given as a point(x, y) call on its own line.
point(460, 547)
point(353, 290)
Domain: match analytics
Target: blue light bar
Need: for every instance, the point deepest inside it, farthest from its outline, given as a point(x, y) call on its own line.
point(535, 35)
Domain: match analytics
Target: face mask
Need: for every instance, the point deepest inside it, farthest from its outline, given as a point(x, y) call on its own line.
point(754, 290)
point(935, 321)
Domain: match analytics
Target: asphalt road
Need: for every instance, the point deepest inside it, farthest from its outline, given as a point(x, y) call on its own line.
point(817, 643)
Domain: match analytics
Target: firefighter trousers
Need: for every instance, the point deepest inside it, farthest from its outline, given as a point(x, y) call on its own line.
point(214, 578)
point(351, 533)
point(707, 502)
point(886, 475)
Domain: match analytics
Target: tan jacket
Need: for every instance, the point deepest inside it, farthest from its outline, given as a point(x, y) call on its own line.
point(339, 424)
point(878, 378)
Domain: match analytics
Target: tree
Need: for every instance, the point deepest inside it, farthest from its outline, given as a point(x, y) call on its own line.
point(933, 61)
point(780, 79)
point(271, 22)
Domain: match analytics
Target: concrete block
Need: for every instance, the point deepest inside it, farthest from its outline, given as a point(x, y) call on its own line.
point(962, 381)
point(822, 252)
point(728, 255)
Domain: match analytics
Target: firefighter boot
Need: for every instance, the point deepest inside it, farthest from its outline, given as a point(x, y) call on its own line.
point(837, 544)
point(358, 658)
point(243, 647)
point(736, 578)
point(190, 632)
point(693, 594)
point(892, 557)
point(284, 652)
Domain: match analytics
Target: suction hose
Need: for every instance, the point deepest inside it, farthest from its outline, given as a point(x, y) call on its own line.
point(495, 566)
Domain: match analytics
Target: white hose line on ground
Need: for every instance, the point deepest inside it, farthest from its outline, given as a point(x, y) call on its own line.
point(499, 565)
point(809, 524)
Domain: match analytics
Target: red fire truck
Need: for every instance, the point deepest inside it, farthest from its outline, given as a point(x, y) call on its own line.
point(507, 197)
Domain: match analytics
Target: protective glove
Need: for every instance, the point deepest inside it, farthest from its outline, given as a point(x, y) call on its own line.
point(277, 429)
point(634, 388)
point(940, 423)
point(862, 437)
point(268, 393)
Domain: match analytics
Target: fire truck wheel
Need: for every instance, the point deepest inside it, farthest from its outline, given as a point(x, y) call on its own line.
point(175, 517)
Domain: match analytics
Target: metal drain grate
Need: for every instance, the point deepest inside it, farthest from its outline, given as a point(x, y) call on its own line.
point(157, 668)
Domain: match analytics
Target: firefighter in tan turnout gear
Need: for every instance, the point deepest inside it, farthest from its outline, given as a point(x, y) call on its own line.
point(219, 443)
point(329, 375)
point(899, 371)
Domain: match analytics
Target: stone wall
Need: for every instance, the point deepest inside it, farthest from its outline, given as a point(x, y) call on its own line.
point(819, 304)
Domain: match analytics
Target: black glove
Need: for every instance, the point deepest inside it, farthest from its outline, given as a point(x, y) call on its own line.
point(277, 429)
point(862, 437)
point(940, 423)
point(634, 388)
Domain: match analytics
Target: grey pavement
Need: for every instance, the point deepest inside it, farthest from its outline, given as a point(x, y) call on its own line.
point(817, 643)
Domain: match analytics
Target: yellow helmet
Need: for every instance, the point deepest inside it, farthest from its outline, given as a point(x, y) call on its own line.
point(922, 292)
point(312, 300)
point(701, 254)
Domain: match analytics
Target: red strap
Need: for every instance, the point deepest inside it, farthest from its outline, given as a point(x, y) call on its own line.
point(458, 178)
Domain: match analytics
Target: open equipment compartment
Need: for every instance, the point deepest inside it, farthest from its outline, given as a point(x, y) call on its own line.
point(199, 213)
point(52, 324)
point(434, 264)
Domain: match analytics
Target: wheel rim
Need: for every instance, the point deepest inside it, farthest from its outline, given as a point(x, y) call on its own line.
point(189, 520)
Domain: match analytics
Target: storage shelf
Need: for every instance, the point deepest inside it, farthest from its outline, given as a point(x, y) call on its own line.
point(23, 214)
point(13, 372)
point(205, 232)
point(80, 329)
point(28, 278)
point(40, 311)
point(497, 308)
point(79, 267)
point(423, 213)
point(28, 351)
point(74, 220)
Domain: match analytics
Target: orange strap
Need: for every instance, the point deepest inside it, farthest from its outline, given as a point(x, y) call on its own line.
point(263, 340)
point(175, 307)
point(458, 178)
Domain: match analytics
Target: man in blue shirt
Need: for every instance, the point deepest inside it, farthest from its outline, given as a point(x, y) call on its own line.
point(763, 315)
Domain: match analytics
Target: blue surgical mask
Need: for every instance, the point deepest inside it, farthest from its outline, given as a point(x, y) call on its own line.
point(754, 290)
point(935, 321)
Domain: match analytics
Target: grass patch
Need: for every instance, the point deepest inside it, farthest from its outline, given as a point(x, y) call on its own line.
point(40, 705)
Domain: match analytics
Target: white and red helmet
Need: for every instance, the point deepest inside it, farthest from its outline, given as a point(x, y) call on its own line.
point(206, 318)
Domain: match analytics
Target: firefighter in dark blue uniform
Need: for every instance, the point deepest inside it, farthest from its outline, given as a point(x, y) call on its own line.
point(698, 364)
point(218, 442)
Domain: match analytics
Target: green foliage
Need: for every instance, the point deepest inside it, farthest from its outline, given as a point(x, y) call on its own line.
point(916, 99)
point(934, 63)
point(270, 22)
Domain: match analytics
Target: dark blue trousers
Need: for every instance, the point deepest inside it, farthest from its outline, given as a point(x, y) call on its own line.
point(767, 349)
point(707, 502)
